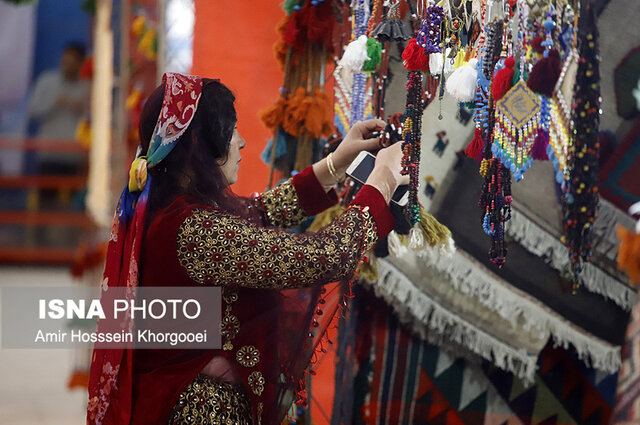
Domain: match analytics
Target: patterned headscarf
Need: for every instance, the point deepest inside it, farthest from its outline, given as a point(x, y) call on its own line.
point(110, 382)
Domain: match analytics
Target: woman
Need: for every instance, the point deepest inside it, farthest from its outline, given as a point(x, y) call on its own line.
point(178, 223)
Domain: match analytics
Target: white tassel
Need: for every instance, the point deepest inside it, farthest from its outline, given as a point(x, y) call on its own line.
point(462, 83)
point(416, 238)
point(435, 63)
point(396, 247)
point(355, 55)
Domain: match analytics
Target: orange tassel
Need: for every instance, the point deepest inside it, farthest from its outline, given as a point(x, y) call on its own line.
point(295, 112)
point(282, 25)
point(629, 253)
point(280, 49)
point(314, 120)
point(319, 118)
point(273, 115)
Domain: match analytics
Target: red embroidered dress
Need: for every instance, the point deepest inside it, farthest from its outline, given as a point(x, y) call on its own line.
point(269, 325)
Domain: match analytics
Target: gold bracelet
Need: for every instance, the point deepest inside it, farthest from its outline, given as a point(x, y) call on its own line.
point(332, 168)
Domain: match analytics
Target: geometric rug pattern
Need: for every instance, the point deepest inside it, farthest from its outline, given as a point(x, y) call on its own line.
point(398, 378)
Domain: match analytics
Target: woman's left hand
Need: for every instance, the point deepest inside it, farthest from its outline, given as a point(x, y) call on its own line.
point(355, 142)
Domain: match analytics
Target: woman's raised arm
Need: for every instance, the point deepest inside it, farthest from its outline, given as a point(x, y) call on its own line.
point(220, 249)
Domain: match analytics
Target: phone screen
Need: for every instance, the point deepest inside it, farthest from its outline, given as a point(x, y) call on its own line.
point(363, 166)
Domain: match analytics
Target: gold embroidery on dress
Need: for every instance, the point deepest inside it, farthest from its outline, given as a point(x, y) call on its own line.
point(248, 356)
point(230, 325)
point(256, 382)
point(218, 248)
point(281, 205)
point(210, 401)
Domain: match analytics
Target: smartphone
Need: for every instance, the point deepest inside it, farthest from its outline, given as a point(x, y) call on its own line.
point(362, 166)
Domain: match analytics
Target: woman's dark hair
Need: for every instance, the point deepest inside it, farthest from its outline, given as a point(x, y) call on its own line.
point(191, 169)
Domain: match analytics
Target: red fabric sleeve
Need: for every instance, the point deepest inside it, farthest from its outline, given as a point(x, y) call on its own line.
point(311, 195)
point(371, 197)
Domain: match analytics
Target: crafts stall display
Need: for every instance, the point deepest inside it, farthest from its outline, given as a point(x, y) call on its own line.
point(501, 59)
point(519, 67)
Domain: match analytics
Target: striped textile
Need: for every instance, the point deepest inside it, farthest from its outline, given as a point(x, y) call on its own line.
point(400, 379)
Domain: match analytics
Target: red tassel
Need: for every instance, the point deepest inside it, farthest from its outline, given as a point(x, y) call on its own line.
point(536, 44)
point(474, 150)
point(539, 149)
point(414, 57)
point(545, 74)
point(319, 22)
point(503, 79)
point(292, 32)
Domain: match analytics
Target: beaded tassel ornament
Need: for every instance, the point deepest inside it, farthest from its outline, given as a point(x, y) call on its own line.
point(560, 120)
point(516, 123)
point(581, 188)
point(411, 143)
point(495, 200)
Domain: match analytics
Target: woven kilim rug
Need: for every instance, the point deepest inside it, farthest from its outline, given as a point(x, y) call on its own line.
point(388, 376)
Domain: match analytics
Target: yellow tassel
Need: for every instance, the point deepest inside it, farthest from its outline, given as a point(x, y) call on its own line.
point(435, 233)
point(369, 271)
point(138, 174)
point(459, 59)
point(326, 217)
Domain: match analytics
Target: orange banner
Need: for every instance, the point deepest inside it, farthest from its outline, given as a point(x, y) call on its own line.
point(233, 41)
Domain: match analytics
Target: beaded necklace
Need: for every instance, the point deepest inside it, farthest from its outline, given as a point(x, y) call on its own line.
point(360, 78)
point(581, 189)
point(560, 121)
point(411, 143)
point(495, 200)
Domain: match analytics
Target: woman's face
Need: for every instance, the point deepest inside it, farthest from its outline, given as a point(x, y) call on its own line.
point(231, 165)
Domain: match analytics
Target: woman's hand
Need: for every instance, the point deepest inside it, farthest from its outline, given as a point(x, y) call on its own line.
point(347, 151)
point(386, 175)
point(355, 142)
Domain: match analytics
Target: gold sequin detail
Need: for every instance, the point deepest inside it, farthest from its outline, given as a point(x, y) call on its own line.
point(248, 356)
point(209, 401)
point(256, 382)
point(230, 325)
point(280, 204)
point(218, 248)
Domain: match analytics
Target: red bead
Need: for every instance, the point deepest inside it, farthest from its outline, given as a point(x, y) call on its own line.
point(207, 223)
point(230, 234)
point(275, 249)
point(192, 247)
point(253, 242)
point(267, 274)
point(242, 265)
